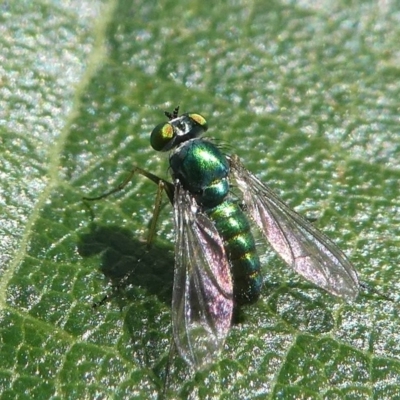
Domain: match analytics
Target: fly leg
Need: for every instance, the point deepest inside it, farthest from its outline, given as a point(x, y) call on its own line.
point(156, 212)
point(167, 376)
point(115, 190)
point(163, 185)
point(169, 188)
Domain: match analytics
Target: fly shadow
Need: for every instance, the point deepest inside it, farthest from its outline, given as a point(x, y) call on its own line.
point(129, 262)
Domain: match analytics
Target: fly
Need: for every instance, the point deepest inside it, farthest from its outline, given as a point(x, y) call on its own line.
point(216, 263)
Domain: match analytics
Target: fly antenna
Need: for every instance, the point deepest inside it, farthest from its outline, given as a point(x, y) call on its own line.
point(172, 115)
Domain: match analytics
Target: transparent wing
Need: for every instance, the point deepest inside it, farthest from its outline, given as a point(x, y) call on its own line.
point(299, 243)
point(202, 300)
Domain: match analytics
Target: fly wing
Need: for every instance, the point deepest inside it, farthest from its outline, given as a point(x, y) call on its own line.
point(309, 252)
point(202, 300)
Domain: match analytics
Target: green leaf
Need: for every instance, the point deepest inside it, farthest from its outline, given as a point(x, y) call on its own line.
point(305, 93)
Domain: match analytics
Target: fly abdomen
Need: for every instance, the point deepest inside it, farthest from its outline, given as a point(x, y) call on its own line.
point(234, 229)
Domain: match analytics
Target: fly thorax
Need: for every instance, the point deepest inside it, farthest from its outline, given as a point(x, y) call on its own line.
point(202, 170)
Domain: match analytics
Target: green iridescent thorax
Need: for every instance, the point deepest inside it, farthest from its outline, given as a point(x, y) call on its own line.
point(202, 169)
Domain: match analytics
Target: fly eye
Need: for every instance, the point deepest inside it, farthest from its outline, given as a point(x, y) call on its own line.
point(161, 136)
point(200, 120)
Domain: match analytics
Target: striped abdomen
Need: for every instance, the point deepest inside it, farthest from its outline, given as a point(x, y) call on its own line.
point(234, 228)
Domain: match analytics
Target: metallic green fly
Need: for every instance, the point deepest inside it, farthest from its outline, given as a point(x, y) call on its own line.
point(216, 263)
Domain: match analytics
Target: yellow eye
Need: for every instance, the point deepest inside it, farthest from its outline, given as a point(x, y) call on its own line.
point(199, 119)
point(161, 136)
